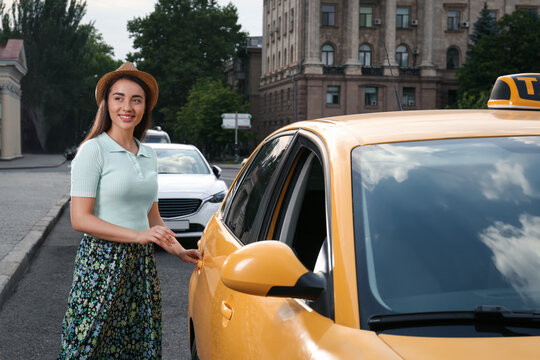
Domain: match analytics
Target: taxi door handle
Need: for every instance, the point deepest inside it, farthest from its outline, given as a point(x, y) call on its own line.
point(226, 310)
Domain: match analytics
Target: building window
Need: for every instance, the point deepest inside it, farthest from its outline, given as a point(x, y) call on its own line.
point(453, 20)
point(493, 14)
point(292, 20)
point(366, 16)
point(328, 15)
point(531, 9)
point(452, 58)
point(364, 55)
point(452, 97)
point(408, 96)
point(402, 18)
point(292, 53)
point(332, 95)
point(285, 57)
point(402, 56)
point(327, 55)
point(371, 96)
point(285, 24)
point(288, 98)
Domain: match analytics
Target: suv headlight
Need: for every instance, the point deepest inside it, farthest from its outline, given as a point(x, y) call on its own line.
point(217, 198)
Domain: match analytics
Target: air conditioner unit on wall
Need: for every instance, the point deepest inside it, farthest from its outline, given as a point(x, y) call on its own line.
point(465, 24)
point(377, 21)
point(414, 22)
point(410, 103)
point(373, 102)
point(416, 51)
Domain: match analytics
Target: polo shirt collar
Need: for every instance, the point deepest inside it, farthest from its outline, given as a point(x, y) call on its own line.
point(113, 146)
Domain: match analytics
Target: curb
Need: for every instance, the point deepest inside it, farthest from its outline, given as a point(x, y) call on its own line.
point(18, 260)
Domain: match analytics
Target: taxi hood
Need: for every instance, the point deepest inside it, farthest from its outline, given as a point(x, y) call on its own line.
point(423, 348)
point(341, 342)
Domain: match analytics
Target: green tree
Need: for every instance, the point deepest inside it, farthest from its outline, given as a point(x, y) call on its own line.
point(180, 42)
point(485, 25)
point(62, 54)
point(199, 120)
point(514, 48)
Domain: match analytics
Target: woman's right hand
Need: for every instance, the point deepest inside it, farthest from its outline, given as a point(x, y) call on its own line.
point(160, 235)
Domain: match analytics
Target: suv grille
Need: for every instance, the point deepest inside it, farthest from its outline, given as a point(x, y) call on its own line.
point(169, 208)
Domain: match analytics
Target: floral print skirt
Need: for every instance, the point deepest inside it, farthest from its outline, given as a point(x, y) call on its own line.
point(114, 306)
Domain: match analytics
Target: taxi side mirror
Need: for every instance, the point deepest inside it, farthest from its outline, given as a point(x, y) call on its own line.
point(270, 268)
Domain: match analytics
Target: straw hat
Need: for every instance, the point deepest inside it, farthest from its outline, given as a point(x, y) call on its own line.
point(128, 68)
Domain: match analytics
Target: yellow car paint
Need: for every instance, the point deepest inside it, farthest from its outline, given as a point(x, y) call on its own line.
point(229, 324)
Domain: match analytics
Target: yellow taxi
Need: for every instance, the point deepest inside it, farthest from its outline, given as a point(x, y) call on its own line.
point(404, 235)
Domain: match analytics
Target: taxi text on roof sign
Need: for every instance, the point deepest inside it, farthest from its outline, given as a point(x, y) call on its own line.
point(517, 91)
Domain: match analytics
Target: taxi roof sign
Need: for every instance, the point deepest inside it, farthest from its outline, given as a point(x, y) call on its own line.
point(516, 91)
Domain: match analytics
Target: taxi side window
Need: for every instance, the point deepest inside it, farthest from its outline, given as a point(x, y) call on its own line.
point(302, 224)
point(302, 219)
point(246, 208)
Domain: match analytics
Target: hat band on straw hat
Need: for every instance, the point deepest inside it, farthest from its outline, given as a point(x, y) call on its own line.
point(128, 69)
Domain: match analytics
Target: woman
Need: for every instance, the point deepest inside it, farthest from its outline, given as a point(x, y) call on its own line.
point(114, 307)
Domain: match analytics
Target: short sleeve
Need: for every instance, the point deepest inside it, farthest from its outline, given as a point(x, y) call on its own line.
point(86, 170)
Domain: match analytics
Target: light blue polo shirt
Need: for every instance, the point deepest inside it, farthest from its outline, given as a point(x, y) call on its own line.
point(124, 185)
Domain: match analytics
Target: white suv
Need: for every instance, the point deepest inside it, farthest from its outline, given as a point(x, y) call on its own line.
point(156, 135)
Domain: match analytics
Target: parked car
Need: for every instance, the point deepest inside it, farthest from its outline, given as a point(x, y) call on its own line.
point(156, 135)
point(189, 189)
point(403, 235)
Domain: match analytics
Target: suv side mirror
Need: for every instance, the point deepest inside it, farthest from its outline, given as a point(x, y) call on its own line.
point(270, 268)
point(216, 170)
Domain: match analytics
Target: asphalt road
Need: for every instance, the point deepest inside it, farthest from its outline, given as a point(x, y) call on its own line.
point(30, 320)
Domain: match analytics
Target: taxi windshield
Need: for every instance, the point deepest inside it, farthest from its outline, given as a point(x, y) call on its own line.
point(447, 225)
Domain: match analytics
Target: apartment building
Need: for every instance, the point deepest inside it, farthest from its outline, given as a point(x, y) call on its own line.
point(337, 57)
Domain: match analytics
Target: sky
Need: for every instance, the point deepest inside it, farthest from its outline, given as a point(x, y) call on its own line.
point(111, 16)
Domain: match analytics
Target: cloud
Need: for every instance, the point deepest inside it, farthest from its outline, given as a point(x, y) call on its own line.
point(516, 253)
point(391, 161)
point(506, 176)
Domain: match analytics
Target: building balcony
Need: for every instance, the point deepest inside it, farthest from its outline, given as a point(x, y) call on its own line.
point(372, 70)
point(409, 71)
point(334, 69)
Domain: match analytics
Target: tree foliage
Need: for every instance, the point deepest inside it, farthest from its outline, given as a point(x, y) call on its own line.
point(513, 48)
point(485, 25)
point(64, 58)
point(180, 42)
point(199, 120)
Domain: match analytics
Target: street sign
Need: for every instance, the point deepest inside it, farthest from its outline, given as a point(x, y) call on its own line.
point(230, 124)
point(233, 116)
point(236, 121)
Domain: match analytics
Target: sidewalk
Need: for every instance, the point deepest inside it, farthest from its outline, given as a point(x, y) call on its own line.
point(34, 190)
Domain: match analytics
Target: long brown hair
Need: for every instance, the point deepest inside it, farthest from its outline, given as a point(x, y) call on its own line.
point(103, 122)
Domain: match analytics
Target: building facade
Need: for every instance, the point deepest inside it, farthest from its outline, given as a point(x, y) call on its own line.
point(337, 57)
point(12, 68)
point(244, 73)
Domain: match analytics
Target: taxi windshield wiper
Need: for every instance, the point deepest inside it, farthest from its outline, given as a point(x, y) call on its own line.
point(482, 314)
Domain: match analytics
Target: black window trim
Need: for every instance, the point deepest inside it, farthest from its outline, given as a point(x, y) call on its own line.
point(271, 185)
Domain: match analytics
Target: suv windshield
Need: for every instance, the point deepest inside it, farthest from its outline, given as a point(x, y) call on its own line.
point(447, 225)
point(180, 161)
